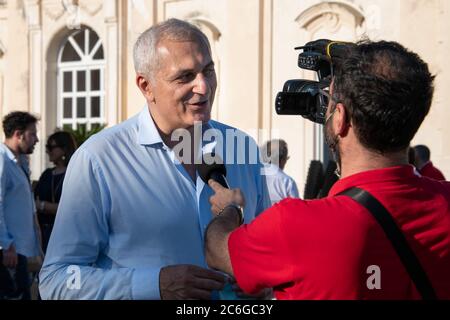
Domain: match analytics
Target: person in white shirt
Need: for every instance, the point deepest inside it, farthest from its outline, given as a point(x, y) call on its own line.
point(280, 185)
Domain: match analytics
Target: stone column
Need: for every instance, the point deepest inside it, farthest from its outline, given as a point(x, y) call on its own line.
point(113, 110)
point(32, 11)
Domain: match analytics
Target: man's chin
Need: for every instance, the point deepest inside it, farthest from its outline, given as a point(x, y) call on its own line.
point(203, 118)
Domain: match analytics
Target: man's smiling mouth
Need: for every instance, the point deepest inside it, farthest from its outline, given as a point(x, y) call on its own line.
point(199, 104)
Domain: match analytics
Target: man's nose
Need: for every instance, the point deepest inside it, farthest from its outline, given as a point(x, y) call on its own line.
point(201, 85)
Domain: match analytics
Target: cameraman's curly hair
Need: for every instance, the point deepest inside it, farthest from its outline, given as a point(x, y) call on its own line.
point(387, 91)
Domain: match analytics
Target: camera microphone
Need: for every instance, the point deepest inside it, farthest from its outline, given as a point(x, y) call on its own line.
point(329, 48)
point(215, 171)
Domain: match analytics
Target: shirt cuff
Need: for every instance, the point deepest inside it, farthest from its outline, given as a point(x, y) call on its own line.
point(145, 284)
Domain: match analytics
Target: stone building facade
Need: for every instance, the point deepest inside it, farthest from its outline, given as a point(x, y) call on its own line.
point(70, 61)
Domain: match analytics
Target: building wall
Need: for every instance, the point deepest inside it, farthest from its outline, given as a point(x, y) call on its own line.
point(253, 46)
point(427, 32)
point(14, 64)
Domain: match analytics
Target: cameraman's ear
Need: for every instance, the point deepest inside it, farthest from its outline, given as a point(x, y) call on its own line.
point(341, 120)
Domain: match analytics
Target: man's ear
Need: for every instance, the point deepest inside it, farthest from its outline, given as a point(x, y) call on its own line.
point(341, 120)
point(146, 87)
point(18, 134)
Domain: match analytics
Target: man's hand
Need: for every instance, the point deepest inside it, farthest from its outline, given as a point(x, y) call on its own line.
point(10, 257)
point(37, 203)
point(224, 197)
point(181, 282)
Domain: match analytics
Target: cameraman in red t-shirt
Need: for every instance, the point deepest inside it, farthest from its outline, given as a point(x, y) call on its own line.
point(333, 248)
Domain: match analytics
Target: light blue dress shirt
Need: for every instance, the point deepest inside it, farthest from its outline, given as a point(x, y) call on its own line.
point(129, 208)
point(17, 209)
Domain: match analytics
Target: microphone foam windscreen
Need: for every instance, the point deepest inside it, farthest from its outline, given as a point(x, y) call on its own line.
point(205, 170)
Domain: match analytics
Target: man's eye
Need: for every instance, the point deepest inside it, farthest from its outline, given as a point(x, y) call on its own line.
point(186, 77)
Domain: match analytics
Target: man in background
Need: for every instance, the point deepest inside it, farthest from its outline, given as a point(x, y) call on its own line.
point(280, 186)
point(19, 234)
point(424, 164)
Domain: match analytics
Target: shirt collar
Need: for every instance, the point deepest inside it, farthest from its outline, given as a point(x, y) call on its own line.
point(374, 176)
point(22, 157)
point(271, 169)
point(208, 146)
point(148, 133)
point(9, 153)
point(21, 161)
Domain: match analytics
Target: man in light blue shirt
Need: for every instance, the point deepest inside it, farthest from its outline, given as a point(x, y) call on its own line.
point(280, 185)
point(18, 227)
point(133, 210)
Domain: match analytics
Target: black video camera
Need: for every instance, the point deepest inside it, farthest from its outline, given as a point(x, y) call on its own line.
point(306, 97)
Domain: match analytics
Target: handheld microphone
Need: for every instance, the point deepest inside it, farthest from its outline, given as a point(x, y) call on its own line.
point(218, 172)
point(215, 171)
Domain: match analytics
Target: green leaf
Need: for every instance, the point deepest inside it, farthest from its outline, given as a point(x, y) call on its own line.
point(81, 134)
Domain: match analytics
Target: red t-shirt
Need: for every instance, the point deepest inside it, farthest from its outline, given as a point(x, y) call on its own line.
point(430, 171)
point(323, 249)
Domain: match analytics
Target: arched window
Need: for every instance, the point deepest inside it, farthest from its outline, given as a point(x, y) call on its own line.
point(81, 69)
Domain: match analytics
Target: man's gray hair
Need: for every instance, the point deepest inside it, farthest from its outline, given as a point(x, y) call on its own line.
point(274, 151)
point(145, 54)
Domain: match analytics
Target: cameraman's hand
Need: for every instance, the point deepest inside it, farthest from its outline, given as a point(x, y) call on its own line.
point(181, 282)
point(224, 197)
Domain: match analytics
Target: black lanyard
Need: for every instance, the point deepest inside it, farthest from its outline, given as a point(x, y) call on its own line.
point(398, 240)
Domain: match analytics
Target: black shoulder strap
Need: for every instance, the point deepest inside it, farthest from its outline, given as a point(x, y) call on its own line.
point(398, 240)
